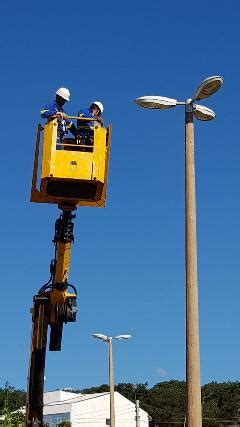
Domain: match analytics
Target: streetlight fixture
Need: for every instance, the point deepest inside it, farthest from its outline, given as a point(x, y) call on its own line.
point(108, 340)
point(203, 113)
point(206, 88)
point(156, 102)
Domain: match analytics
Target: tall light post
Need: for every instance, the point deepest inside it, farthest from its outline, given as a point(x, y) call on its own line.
point(108, 340)
point(206, 88)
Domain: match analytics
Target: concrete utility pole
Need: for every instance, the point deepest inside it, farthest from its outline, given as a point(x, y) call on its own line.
point(206, 88)
point(194, 410)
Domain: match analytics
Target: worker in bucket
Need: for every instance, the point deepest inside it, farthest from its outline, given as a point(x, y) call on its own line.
point(85, 132)
point(55, 109)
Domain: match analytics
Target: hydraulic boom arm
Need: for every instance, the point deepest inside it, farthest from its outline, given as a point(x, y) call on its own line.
point(52, 306)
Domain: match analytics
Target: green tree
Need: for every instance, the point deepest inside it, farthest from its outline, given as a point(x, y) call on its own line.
point(64, 424)
point(17, 419)
point(167, 401)
point(11, 399)
point(221, 402)
point(98, 389)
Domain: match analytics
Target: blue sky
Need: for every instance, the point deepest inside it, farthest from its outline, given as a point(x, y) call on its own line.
point(128, 259)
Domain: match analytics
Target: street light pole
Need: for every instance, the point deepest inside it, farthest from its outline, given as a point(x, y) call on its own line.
point(111, 384)
point(108, 340)
point(207, 88)
point(194, 411)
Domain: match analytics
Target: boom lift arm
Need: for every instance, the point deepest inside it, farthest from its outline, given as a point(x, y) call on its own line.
point(67, 174)
point(52, 306)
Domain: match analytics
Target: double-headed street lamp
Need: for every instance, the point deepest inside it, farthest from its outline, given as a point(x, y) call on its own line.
point(207, 88)
point(108, 340)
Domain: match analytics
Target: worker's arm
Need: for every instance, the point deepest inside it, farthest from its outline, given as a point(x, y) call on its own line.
point(72, 128)
point(48, 111)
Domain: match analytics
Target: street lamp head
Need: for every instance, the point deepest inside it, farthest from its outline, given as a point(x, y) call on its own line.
point(203, 113)
point(101, 337)
point(208, 87)
point(156, 102)
point(122, 337)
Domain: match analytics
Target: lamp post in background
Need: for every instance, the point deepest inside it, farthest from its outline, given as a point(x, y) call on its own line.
point(206, 88)
point(108, 340)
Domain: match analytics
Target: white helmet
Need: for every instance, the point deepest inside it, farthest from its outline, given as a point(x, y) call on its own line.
point(99, 105)
point(64, 93)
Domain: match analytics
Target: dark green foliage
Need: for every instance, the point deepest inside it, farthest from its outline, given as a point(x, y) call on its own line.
point(11, 399)
point(99, 389)
point(64, 424)
point(17, 419)
point(165, 402)
point(222, 402)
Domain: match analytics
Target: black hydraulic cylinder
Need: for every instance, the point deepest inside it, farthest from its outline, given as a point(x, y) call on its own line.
point(55, 341)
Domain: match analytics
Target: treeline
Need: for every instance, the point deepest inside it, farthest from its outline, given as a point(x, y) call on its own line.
point(165, 402)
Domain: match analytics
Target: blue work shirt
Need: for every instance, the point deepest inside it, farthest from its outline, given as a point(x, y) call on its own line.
point(50, 110)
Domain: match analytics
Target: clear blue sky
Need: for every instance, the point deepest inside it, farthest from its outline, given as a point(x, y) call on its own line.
point(128, 259)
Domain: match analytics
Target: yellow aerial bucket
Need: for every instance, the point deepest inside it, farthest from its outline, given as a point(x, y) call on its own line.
point(71, 173)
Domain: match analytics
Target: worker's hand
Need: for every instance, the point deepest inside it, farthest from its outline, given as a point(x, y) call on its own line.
point(100, 119)
point(62, 116)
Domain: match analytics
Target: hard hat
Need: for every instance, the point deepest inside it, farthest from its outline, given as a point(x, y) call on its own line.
point(99, 105)
point(64, 93)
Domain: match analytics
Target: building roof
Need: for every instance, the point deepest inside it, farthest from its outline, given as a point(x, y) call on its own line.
point(60, 397)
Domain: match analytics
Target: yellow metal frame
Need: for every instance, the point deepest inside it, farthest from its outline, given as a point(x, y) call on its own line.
point(70, 166)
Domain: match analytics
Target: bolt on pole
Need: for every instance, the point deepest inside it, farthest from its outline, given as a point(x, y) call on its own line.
point(194, 410)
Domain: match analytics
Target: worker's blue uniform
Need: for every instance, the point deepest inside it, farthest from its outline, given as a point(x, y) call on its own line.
point(63, 125)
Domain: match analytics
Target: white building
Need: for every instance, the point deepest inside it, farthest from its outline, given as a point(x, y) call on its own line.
point(86, 410)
